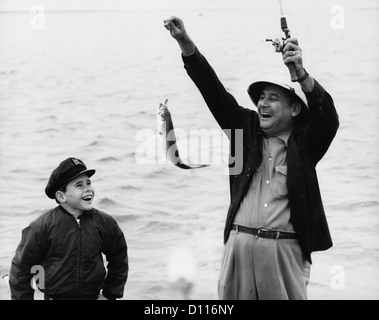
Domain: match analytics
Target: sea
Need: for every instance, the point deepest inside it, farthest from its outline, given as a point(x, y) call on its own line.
point(84, 79)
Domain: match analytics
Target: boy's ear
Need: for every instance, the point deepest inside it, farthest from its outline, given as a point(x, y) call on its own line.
point(59, 195)
point(295, 109)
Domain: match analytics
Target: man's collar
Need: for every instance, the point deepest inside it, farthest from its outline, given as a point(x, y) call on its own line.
point(285, 137)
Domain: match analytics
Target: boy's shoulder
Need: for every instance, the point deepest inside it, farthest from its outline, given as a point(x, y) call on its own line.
point(100, 214)
point(47, 216)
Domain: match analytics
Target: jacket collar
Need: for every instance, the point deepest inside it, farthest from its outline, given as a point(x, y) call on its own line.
point(69, 214)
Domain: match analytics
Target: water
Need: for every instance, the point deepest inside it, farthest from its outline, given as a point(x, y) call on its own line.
point(88, 82)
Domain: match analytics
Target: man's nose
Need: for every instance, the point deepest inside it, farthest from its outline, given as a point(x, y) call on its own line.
point(262, 104)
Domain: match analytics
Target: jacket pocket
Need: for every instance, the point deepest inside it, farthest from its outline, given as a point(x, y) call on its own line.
point(49, 271)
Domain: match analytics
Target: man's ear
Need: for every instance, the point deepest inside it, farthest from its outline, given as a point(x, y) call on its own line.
point(295, 109)
point(59, 195)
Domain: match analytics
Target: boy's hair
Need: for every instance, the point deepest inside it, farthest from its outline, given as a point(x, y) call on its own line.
point(62, 188)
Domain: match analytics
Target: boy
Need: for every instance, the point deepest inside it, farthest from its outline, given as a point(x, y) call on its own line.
point(66, 244)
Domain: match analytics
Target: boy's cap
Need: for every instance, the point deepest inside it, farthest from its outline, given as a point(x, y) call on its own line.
point(66, 171)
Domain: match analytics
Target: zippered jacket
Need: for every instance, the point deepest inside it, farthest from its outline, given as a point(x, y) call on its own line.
point(69, 256)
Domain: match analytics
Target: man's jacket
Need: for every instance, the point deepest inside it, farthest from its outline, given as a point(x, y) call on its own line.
point(306, 146)
point(71, 256)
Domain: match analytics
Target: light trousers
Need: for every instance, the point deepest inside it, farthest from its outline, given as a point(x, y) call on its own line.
point(254, 268)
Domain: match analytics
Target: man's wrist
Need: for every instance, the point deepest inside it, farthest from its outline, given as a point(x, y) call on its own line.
point(187, 46)
point(302, 75)
point(305, 80)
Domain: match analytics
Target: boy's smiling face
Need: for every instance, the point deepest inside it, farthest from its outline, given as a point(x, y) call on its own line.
point(78, 196)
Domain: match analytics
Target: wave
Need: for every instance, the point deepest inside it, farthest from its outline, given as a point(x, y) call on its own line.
point(130, 188)
point(8, 72)
point(126, 218)
point(363, 204)
point(106, 202)
point(108, 159)
point(48, 118)
point(355, 205)
point(160, 213)
point(66, 102)
point(157, 173)
point(161, 226)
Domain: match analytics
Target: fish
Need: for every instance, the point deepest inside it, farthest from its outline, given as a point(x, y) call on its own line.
point(167, 136)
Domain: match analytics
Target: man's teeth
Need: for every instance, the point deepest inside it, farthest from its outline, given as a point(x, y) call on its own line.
point(266, 115)
point(88, 198)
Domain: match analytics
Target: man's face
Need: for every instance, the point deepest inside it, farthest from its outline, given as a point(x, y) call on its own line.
point(79, 194)
point(275, 112)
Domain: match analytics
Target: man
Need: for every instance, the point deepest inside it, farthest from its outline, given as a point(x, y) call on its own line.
point(276, 217)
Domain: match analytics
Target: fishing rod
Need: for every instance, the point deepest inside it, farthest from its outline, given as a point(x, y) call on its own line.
point(196, 10)
point(279, 43)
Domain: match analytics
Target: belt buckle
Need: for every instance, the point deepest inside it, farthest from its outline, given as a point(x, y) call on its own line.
point(262, 229)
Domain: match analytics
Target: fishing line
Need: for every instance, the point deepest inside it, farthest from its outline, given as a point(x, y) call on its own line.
point(194, 11)
point(281, 8)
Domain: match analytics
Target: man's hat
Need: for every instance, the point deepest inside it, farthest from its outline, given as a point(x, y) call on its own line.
point(67, 170)
point(256, 88)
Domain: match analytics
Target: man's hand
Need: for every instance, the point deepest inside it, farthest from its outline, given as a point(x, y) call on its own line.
point(292, 53)
point(176, 27)
point(179, 33)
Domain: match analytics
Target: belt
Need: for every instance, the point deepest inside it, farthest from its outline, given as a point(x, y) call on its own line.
point(264, 233)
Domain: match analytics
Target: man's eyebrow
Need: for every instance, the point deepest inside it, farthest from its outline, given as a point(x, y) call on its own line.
point(271, 93)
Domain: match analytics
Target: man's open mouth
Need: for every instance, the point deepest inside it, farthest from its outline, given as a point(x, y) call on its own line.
point(266, 115)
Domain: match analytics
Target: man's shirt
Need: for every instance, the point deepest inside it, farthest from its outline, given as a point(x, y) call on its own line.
point(266, 202)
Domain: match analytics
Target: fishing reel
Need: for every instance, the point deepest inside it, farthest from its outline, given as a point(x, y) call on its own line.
point(277, 43)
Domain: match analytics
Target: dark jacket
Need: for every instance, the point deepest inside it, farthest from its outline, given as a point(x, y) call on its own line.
point(71, 256)
point(306, 146)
